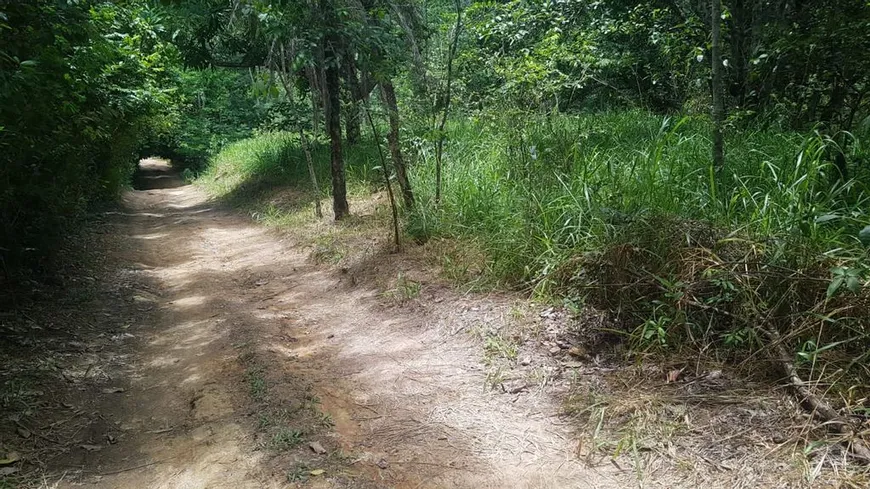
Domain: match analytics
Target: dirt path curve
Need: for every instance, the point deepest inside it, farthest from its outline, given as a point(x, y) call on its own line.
point(237, 315)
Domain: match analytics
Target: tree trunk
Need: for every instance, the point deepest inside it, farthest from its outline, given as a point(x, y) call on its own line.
point(303, 140)
point(393, 207)
point(352, 119)
point(332, 99)
point(389, 94)
point(445, 101)
point(315, 93)
point(718, 105)
point(741, 37)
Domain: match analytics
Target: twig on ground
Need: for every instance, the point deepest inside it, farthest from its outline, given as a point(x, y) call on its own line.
point(815, 404)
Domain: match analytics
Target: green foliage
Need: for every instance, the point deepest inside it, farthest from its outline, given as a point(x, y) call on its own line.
point(211, 108)
point(79, 81)
point(576, 54)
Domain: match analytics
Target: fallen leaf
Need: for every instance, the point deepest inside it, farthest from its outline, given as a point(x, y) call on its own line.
point(316, 447)
point(113, 390)
point(317, 472)
point(92, 448)
point(11, 458)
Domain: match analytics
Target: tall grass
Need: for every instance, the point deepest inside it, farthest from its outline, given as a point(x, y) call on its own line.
point(244, 170)
point(626, 210)
point(539, 190)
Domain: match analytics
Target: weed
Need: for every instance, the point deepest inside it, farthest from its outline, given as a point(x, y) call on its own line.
point(264, 420)
point(286, 438)
point(494, 378)
point(499, 347)
point(325, 420)
point(299, 473)
point(404, 290)
point(256, 383)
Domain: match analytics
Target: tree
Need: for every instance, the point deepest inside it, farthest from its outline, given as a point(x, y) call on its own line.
point(444, 100)
point(718, 106)
point(332, 101)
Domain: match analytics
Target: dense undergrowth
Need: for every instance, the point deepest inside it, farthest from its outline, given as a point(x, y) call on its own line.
point(623, 211)
point(80, 82)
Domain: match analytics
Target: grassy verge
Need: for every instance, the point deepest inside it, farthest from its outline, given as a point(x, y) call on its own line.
point(623, 211)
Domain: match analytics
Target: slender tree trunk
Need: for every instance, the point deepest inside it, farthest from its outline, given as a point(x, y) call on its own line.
point(439, 146)
point(389, 95)
point(332, 101)
point(392, 197)
point(718, 104)
point(316, 91)
point(352, 120)
point(284, 75)
point(303, 140)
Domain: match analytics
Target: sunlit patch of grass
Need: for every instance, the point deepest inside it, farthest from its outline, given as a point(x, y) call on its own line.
point(243, 171)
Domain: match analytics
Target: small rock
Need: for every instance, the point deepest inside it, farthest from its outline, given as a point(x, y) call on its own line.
point(555, 350)
point(526, 361)
point(113, 390)
point(382, 463)
point(24, 432)
point(317, 448)
point(577, 351)
point(92, 448)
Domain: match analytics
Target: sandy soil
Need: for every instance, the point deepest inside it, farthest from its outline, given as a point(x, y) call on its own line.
point(232, 331)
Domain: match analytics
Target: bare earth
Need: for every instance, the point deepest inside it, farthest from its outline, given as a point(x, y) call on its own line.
point(233, 330)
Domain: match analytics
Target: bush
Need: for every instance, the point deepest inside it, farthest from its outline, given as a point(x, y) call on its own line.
point(78, 84)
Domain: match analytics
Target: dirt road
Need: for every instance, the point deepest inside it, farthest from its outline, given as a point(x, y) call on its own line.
point(246, 360)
